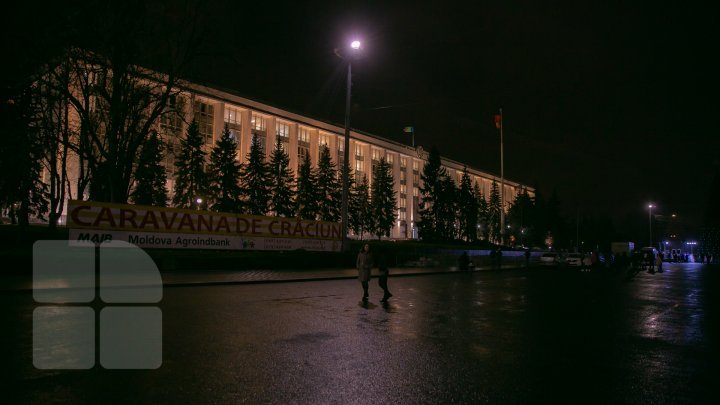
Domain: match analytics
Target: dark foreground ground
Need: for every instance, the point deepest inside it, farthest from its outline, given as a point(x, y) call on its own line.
point(514, 336)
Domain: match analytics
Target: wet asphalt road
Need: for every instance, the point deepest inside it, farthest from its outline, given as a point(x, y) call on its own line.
point(517, 336)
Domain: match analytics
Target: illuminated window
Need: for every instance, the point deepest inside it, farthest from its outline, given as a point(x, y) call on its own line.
point(390, 159)
point(403, 176)
point(376, 154)
point(204, 118)
point(359, 166)
point(403, 163)
point(257, 122)
point(303, 145)
point(415, 192)
point(233, 121)
point(304, 135)
point(232, 116)
point(171, 122)
point(359, 151)
point(258, 129)
point(416, 166)
point(403, 189)
point(324, 139)
point(282, 130)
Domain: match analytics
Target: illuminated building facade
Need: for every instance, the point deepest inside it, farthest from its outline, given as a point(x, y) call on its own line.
point(301, 135)
point(212, 109)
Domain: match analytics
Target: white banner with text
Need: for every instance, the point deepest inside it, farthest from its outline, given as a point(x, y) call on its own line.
point(174, 228)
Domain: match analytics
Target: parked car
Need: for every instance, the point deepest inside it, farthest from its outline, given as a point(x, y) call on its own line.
point(574, 260)
point(549, 259)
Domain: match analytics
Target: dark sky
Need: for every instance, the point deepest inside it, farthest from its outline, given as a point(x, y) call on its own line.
point(610, 104)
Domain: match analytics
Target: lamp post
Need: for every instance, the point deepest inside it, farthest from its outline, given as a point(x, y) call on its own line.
point(650, 207)
point(502, 177)
point(198, 201)
point(355, 46)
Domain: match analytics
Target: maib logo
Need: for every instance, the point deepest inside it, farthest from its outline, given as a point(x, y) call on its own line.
point(88, 294)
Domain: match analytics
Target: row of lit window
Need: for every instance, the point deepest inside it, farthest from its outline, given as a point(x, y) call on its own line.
point(172, 123)
point(204, 116)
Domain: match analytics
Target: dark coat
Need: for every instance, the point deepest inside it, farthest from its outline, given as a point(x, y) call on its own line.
point(364, 265)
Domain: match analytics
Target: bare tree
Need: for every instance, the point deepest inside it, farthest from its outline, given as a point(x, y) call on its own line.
point(117, 103)
point(50, 118)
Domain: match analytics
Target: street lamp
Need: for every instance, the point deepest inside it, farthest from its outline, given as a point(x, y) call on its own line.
point(198, 201)
point(499, 125)
point(650, 207)
point(355, 48)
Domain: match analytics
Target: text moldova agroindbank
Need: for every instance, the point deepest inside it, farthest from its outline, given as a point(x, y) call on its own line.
point(175, 228)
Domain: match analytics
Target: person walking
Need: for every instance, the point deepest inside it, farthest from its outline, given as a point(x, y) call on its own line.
point(659, 262)
point(381, 262)
point(364, 264)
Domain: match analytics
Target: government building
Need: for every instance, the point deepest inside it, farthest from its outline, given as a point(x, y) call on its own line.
point(301, 136)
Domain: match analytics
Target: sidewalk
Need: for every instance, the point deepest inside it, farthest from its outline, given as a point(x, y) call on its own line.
point(222, 277)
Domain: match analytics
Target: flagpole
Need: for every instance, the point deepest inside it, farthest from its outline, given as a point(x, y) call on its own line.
point(502, 183)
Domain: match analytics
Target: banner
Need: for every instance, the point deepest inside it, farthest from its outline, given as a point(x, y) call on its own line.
point(175, 228)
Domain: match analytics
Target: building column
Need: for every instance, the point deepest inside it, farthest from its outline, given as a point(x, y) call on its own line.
point(218, 121)
point(352, 160)
point(367, 158)
point(314, 146)
point(245, 135)
point(395, 170)
point(332, 145)
point(293, 148)
point(270, 136)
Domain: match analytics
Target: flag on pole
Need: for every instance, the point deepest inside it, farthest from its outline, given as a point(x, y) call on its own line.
point(409, 130)
point(498, 121)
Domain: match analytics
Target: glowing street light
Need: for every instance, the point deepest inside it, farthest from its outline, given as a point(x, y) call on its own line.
point(650, 207)
point(355, 49)
point(199, 201)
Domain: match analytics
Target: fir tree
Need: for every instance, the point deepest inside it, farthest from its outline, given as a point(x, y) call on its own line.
point(359, 210)
point(307, 196)
point(150, 174)
point(494, 207)
point(447, 228)
point(431, 196)
point(255, 181)
point(225, 173)
point(329, 187)
point(382, 203)
point(467, 209)
point(191, 181)
point(482, 212)
point(282, 195)
point(520, 216)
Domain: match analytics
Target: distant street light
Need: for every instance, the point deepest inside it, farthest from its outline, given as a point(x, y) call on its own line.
point(199, 201)
point(650, 207)
point(355, 46)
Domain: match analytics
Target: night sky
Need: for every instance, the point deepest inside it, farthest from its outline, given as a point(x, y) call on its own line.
point(611, 105)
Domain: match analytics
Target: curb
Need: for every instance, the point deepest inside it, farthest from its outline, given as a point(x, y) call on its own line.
point(292, 280)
